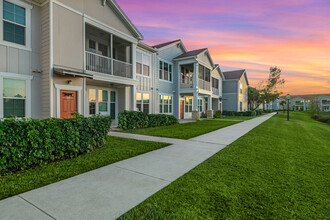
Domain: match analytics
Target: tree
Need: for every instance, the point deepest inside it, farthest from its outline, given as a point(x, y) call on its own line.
point(253, 98)
point(268, 91)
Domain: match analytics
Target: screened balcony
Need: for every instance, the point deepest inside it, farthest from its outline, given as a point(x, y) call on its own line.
point(204, 78)
point(108, 54)
point(215, 86)
point(187, 73)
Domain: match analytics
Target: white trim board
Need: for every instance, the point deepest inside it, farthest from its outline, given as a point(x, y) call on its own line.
point(59, 87)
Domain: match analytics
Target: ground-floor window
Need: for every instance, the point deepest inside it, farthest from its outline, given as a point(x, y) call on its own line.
point(143, 102)
point(240, 106)
point(188, 104)
point(14, 98)
point(165, 104)
point(200, 105)
point(100, 103)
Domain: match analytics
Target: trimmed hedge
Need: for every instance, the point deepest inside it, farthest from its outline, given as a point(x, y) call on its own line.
point(134, 119)
point(217, 114)
point(32, 142)
point(233, 113)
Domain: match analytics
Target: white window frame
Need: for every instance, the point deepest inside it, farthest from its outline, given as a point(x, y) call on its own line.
point(28, 9)
point(165, 94)
point(185, 104)
point(143, 92)
point(108, 113)
point(200, 107)
point(150, 62)
point(169, 63)
point(28, 99)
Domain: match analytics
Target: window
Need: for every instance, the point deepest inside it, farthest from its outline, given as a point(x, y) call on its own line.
point(143, 102)
point(165, 71)
point(215, 83)
point(240, 106)
point(14, 23)
point(98, 48)
point(14, 97)
point(188, 105)
point(200, 105)
point(142, 64)
point(240, 88)
point(165, 104)
point(99, 102)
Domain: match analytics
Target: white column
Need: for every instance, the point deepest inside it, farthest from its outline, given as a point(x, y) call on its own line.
point(209, 99)
point(195, 79)
point(133, 99)
point(1, 97)
point(195, 101)
point(134, 60)
point(84, 98)
point(111, 52)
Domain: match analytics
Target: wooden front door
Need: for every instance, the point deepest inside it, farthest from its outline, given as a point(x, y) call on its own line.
point(68, 103)
point(181, 109)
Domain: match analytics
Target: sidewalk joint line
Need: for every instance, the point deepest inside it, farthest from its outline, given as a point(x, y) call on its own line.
point(142, 173)
point(36, 206)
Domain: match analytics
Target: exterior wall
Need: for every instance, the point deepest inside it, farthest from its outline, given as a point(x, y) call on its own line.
point(204, 60)
point(20, 62)
point(68, 38)
point(101, 13)
point(229, 102)
point(244, 96)
point(165, 87)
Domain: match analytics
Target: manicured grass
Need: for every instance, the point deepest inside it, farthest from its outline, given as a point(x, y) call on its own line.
point(183, 131)
point(117, 149)
point(279, 170)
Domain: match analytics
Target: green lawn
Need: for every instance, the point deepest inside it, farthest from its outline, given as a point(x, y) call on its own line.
point(183, 131)
point(117, 149)
point(279, 170)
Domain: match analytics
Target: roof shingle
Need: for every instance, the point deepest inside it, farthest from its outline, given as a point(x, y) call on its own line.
point(235, 74)
point(165, 44)
point(191, 53)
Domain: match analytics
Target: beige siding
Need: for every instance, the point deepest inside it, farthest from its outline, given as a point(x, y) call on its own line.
point(205, 60)
point(94, 9)
point(67, 38)
point(244, 96)
point(45, 62)
point(3, 60)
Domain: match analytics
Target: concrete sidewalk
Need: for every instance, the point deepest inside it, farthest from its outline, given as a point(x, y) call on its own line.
point(110, 191)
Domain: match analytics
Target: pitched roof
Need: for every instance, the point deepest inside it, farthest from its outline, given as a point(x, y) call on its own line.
point(191, 53)
point(235, 74)
point(165, 44)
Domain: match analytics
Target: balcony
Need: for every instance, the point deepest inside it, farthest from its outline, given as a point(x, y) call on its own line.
point(103, 64)
point(202, 84)
point(215, 91)
point(186, 85)
point(107, 54)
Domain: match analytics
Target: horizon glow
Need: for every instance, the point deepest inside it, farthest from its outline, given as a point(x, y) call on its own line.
point(253, 35)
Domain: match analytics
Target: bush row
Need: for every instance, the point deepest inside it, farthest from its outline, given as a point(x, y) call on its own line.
point(31, 142)
point(134, 119)
point(233, 113)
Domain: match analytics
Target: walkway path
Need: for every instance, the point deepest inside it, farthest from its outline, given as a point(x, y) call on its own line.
point(110, 191)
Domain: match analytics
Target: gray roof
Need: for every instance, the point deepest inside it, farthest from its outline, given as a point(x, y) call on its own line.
point(165, 44)
point(235, 74)
point(191, 53)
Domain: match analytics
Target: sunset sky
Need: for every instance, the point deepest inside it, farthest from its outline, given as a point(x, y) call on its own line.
point(247, 34)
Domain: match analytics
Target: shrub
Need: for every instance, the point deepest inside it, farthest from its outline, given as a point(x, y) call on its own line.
point(156, 120)
point(259, 112)
point(31, 142)
point(249, 113)
point(203, 115)
point(133, 119)
point(217, 114)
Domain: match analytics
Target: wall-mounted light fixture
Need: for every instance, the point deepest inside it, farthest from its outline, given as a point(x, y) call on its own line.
point(69, 82)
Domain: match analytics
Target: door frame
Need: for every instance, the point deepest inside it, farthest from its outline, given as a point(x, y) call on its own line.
point(181, 112)
point(60, 87)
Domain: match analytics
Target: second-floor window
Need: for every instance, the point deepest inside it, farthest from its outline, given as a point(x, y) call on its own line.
point(215, 83)
point(240, 88)
point(165, 71)
point(97, 47)
point(143, 64)
point(14, 23)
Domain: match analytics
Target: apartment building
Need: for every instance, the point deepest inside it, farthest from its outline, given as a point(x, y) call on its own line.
point(235, 91)
point(63, 56)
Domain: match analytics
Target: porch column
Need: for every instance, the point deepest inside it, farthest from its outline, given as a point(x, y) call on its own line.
point(195, 78)
point(195, 112)
point(133, 60)
point(127, 106)
point(133, 98)
point(85, 104)
point(209, 107)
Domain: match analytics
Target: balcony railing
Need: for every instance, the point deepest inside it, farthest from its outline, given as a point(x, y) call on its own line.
point(186, 85)
point(98, 63)
point(202, 84)
point(122, 69)
point(215, 91)
point(102, 64)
